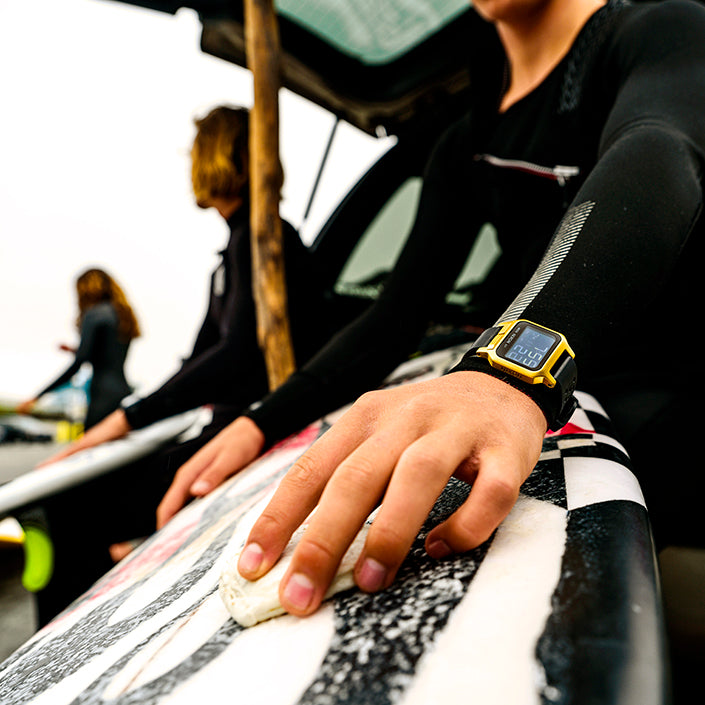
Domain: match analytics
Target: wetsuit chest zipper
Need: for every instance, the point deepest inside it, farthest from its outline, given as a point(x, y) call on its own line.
point(559, 173)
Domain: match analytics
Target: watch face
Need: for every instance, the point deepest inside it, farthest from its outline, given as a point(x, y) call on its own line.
point(527, 345)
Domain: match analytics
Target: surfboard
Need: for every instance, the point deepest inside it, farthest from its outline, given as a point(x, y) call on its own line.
point(37, 484)
point(10, 532)
point(561, 605)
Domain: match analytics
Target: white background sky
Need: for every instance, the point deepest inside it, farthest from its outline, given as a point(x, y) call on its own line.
point(98, 100)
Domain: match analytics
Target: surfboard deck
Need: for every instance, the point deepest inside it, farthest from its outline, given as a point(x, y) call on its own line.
point(35, 485)
point(561, 605)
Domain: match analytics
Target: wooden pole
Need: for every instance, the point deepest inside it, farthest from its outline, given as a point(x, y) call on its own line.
point(268, 277)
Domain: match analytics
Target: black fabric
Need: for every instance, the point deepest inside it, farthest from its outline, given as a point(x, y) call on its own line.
point(609, 256)
point(226, 364)
point(101, 347)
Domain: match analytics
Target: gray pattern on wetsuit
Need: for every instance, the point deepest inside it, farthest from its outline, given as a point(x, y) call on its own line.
point(558, 250)
point(380, 637)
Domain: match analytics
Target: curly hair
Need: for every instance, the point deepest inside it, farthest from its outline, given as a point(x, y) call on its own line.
point(95, 286)
point(220, 156)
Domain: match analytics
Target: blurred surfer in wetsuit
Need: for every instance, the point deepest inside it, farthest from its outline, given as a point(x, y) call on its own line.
point(107, 326)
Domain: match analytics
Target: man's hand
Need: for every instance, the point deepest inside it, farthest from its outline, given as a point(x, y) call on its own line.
point(400, 446)
point(229, 452)
point(111, 428)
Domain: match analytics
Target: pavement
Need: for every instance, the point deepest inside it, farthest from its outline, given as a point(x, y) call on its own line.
point(17, 608)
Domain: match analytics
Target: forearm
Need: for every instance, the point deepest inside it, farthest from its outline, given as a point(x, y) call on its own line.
point(357, 360)
point(223, 374)
point(617, 248)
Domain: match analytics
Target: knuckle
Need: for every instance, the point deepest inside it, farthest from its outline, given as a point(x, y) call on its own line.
point(305, 474)
point(356, 475)
point(419, 405)
point(423, 460)
point(463, 532)
point(503, 490)
point(271, 521)
point(369, 401)
point(183, 472)
point(388, 543)
point(367, 398)
point(317, 553)
point(218, 471)
point(385, 535)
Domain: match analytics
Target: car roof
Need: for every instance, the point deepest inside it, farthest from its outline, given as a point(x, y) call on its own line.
point(380, 66)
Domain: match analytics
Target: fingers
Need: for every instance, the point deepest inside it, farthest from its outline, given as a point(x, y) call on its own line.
point(121, 550)
point(233, 448)
point(25, 407)
point(179, 492)
point(348, 470)
point(57, 456)
point(71, 449)
point(112, 427)
point(420, 475)
point(295, 498)
point(493, 494)
point(404, 444)
point(239, 445)
point(415, 475)
point(350, 495)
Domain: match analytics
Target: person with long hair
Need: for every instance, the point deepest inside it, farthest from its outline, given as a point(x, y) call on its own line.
point(107, 326)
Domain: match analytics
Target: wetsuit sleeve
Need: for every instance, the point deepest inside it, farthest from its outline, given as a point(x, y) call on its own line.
point(90, 327)
point(207, 336)
point(620, 241)
point(230, 370)
point(226, 365)
point(362, 354)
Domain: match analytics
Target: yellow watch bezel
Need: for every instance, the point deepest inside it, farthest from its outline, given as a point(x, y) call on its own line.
point(541, 375)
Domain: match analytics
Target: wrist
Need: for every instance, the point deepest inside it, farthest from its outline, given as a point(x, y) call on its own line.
point(254, 434)
point(121, 421)
point(533, 359)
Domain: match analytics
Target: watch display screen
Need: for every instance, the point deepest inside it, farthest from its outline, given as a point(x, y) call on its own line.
point(528, 347)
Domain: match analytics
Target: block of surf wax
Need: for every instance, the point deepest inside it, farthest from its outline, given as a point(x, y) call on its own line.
point(250, 602)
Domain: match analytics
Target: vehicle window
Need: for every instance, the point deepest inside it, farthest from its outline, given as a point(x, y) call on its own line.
point(373, 32)
point(483, 255)
point(377, 251)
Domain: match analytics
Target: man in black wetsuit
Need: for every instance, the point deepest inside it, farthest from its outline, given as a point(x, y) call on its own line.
point(588, 158)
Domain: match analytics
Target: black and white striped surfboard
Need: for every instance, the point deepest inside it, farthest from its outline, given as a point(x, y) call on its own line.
point(560, 606)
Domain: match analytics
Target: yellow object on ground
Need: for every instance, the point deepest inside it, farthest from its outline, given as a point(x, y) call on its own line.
point(38, 558)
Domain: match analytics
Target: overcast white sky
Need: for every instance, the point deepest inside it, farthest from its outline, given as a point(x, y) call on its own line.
point(96, 124)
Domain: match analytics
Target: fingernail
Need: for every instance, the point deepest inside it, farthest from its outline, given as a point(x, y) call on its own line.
point(200, 487)
point(298, 592)
point(371, 575)
point(250, 558)
point(438, 549)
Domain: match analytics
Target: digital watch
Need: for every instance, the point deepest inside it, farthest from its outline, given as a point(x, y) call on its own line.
point(535, 355)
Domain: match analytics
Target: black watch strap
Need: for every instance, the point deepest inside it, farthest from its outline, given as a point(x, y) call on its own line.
point(558, 403)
